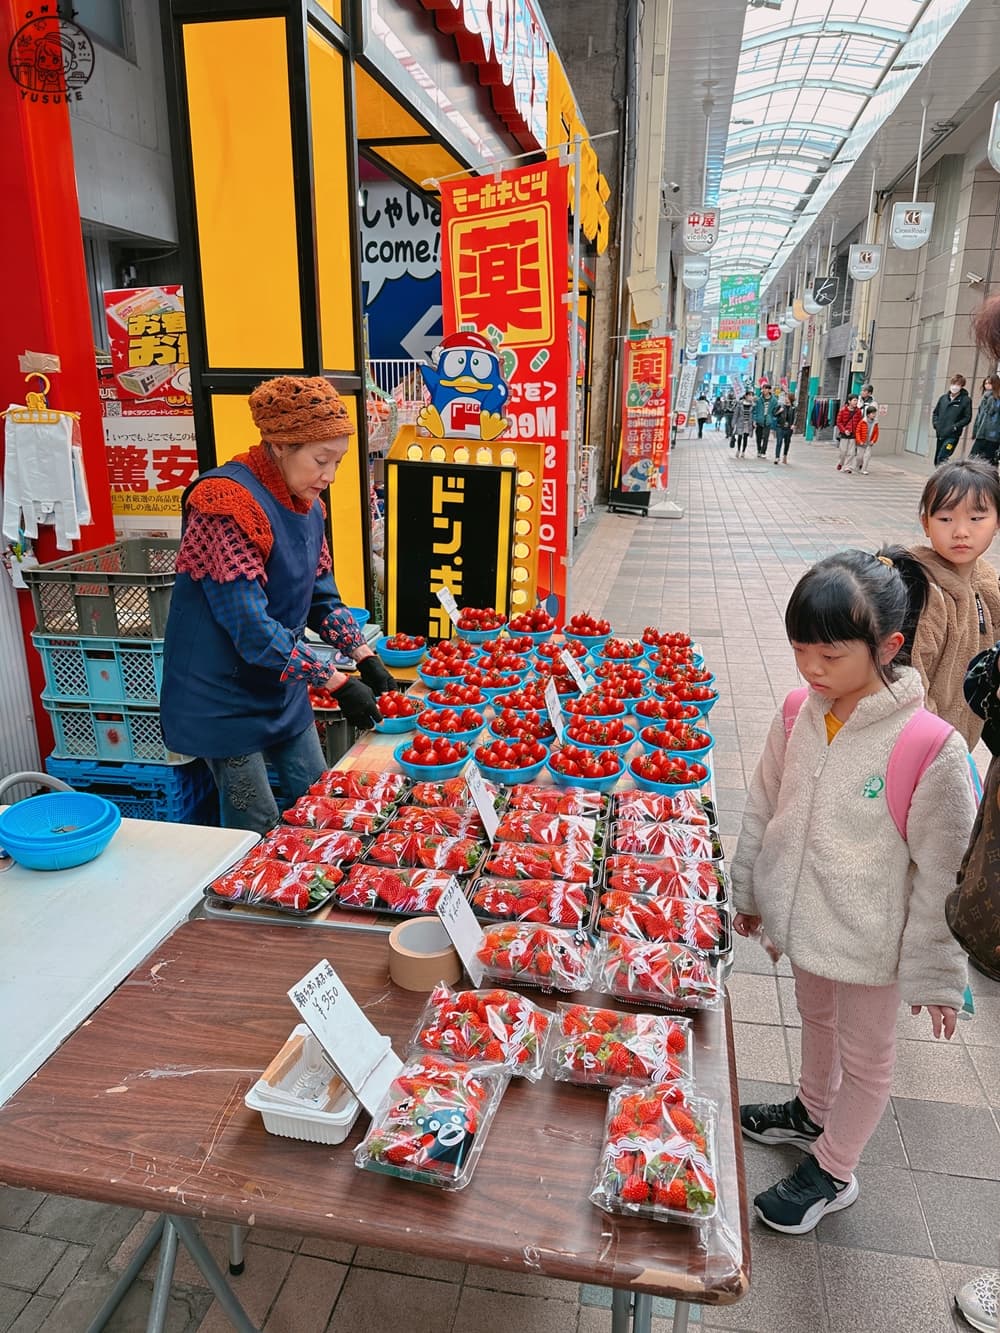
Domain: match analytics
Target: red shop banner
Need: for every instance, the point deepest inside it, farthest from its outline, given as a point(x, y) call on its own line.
point(645, 452)
point(504, 271)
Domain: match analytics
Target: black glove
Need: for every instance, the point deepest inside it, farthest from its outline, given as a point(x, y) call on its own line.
point(375, 675)
point(357, 703)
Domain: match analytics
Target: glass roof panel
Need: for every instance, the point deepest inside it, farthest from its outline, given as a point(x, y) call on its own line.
point(807, 71)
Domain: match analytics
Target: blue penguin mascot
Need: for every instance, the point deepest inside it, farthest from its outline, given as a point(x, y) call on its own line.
point(467, 390)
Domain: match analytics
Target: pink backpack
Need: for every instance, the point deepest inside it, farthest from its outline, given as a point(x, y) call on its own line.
point(916, 748)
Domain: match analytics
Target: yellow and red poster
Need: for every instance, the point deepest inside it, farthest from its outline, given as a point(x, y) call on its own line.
point(505, 259)
point(645, 452)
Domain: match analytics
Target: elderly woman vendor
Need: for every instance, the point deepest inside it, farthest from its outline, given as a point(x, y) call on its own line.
point(253, 571)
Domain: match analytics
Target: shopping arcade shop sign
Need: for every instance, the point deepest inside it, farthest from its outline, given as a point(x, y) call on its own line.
point(449, 526)
point(509, 45)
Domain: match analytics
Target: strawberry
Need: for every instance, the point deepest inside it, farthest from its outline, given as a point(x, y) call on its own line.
point(635, 1190)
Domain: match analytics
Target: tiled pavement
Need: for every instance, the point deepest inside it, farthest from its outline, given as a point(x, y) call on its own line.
point(929, 1211)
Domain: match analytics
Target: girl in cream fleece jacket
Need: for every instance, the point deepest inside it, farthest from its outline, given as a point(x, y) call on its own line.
point(822, 868)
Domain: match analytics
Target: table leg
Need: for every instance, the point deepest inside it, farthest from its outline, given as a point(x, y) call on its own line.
point(642, 1313)
point(224, 1294)
point(127, 1278)
point(160, 1303)
point(682, 1310)
point(621, 1311)
point(236, 1249)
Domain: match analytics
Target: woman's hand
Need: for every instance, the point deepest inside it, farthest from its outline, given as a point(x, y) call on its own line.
point(942, 1018)
point(373, 672)
point(746, 925)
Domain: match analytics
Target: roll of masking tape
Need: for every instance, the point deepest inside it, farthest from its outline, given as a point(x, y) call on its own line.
point(421, 954)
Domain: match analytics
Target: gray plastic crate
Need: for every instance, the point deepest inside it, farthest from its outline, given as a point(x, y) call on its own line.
point(121, 591)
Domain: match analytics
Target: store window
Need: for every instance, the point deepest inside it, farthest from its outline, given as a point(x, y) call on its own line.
point(107, 20)
point(924, 389)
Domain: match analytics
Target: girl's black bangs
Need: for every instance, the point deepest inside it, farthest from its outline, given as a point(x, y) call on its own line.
point(825, 611)
point(959, 487)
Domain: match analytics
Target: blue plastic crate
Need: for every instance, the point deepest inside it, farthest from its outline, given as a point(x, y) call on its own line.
point(119, 671)
point(117, 731)
point(176, 794)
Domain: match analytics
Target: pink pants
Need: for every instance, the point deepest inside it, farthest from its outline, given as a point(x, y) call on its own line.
point(848, 1055)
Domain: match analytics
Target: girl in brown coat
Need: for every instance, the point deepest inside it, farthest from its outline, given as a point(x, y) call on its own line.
point(960, 513)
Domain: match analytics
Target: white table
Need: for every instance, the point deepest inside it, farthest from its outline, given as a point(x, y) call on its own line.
point(68, 937)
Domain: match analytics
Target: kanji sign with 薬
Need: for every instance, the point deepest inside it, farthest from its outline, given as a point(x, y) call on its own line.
point(646, 414)
point(505, 263)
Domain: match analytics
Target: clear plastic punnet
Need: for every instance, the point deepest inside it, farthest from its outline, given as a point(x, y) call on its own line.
point(336, 812)
point(542, 956)
point(666, 877)
point(433, 1123)
point(491, 1026)
point(680, 840)
point(358, 786)
point(604, 1048)
point(390, 890)
point(289, 888)
point(699, 925)
point(573, 831)
point(452, 793)
point(658, 1159)
point(426, 851)
point(559, 801)
point(523, 860)
point(328, 846)
point(686, 807)
point(450, 823)
point(656, 972)
point(552, 902)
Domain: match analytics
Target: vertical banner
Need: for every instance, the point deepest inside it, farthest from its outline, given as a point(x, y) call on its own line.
point(645, 452)
point(504, 270)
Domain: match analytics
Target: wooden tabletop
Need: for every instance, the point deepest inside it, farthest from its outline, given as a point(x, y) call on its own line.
point(143, 1106)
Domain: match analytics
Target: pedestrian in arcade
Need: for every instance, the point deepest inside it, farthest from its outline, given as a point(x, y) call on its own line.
point(960, 515)
point(253, 571)
point(866, 398)
point(742, 422)
point(847, 423)
point(763, 419)
point(986, 431)
point(784, 420)
point(702, 412)
point(865, 440)
point(718, 410)
point(729, 406)
point(823, 869)
point(952, 413)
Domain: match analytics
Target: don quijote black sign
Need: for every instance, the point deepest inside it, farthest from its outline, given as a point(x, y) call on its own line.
point(448, 526)
point(49, 58)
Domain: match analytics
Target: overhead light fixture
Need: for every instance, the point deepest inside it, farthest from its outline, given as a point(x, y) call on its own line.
point(906, 64)
point(763, 4)
point(743, 120)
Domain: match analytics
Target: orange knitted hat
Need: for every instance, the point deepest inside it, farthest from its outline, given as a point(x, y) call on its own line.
point(294, 409)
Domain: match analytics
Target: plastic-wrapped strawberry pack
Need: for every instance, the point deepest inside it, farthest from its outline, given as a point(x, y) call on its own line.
point(496, 1026)
point(666, 877)
point(603, 1048)
point(291, 888)
point(679, 919)
point(323, 846)
point(658, 1159)
point(452, 793)
point(553, 902)
point(336, 812)
point(400, 891)
point(659, 973)
point(559, 801)
point(451, 823)
point(572, 832)
point(433, 1123)
point(360, 786)
point(429, 851)
point(542, 956)
point(686, 807)
point(681, 840)
point(520, 860)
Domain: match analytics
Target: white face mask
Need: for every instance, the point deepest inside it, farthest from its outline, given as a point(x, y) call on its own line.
point(955, 388)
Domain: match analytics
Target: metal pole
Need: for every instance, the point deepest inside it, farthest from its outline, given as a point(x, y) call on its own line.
point(574, 366)
point(200, 1253)
point(621, 1311)
point(130, 1274)
point(920, 146)
point(829, 248)
point(871, 211)
point(160, 1303)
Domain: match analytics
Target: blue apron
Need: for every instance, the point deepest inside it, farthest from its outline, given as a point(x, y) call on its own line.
point(213, 703)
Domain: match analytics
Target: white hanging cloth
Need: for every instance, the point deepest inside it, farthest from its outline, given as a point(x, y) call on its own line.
point(43, 476)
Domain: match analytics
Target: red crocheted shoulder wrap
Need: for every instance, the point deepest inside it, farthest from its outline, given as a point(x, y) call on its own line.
point(216, 547)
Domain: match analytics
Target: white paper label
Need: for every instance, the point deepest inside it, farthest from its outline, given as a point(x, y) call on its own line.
point(362, 1056)
point(554, 708)
point(463, 929)
point(482, 799)
point(447, 600)
point(573, 667)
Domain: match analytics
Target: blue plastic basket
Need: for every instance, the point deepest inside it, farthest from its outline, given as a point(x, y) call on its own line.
point(108, 731)
point(174, 794)
point(101, 670)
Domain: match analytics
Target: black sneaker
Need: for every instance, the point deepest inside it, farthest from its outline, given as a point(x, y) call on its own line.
point(796, 1204)
point(779, 1122)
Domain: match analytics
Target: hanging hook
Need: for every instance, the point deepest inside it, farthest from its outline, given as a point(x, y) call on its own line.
point(37, 375)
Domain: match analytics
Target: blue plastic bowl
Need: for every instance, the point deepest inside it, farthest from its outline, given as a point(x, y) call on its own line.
point(493, 695)
point(427, 772)
point(511, 777)
point(665, 788)
point(621, 749)
point(469, 737)
point(536, 636)
point(396, 726)
point(58, 851)
point(496, 735)
point(705, 706)
point(639, 664)
point(649, 747)
point(598, 655)
point(439, 682)
point(393, 657)
point(360, 615)
point(479, 635)
point(429, 703)
point(589, 784)
point(56, 815)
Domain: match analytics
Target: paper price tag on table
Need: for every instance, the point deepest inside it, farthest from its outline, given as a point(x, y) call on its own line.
point(463, 929)
point(480, 794)
point(554, 708)
point(573, 667)
point(447, 600)
point(362, 1056)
